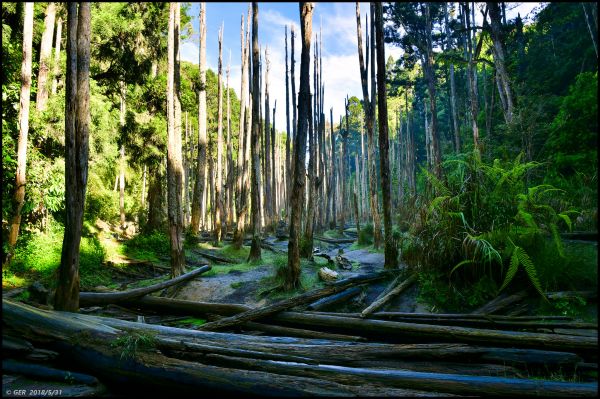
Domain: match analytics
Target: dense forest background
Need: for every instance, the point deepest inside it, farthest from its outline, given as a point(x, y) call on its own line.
point(467, 218)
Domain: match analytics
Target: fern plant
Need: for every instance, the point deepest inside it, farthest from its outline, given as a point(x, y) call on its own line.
point(482, 217)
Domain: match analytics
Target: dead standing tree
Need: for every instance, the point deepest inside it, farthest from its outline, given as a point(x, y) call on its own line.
point(292, 272)
point(369, 106)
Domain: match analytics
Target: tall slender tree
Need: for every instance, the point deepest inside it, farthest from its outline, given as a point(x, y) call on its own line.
point(200, 187)
point(174, 164)
point(230, 205)
point(391, 253)
point(288, 137)
point(292, 272)
point(77, 120)
point(219, 183)
point(369, 107)
point(333, 183)
point(57, 42)
point(268, 209)
point(21, 179)
point(255, 252)
point(45, 54)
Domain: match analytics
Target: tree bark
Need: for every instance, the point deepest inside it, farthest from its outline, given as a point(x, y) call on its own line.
point(391, 252)
point(499, 58)
point(201, 159)
point(229, 209)
point(268, 209)
point(122, 96)
point(45, 54)
point(56, 71)
point(255, 247)
point(77, 119)
point(333, 180)
point(431, 81)
point(21, 178)
point(292, 272)
point(289, 138)
point(219, 182)
point(386, 298)
point(241, 192)
point(104, 298)
point(174, 166)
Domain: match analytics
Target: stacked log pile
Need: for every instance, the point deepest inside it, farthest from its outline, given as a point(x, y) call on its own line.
point(306, 352)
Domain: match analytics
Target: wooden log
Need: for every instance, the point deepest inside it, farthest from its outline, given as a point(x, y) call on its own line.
point(85, 341)
point(214, 257)
point(99, 298)
point(519, 357)
point(572, 294)
point(438, 382)
point(395, 329)
point(394, 292)
point(297, 332)
point(16, 345)
point(46, 373)
point(500, 303)
point(335, 299)
point(307, 297)
point(336, 240)
point(449, 316)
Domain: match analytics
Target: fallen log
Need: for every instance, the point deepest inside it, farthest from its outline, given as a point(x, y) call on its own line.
point(213, 257)
point(46, 373)
point(572, 294)
point(438, 382)
point(393, 329)
point(335, 240)
point(84, 341)
point(500, 302)
point(16, 345)
point(272, 248)
point(395, 291)
point(307, 297)
point(335, 299)
point(462, 352)
point(102, 298)
point(449, 316)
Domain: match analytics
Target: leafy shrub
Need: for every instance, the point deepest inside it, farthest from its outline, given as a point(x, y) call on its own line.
point(486, 217)
point(365, 236)
point(149, 245)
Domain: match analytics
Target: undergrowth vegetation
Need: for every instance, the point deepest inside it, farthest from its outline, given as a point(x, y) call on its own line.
point(486, 224)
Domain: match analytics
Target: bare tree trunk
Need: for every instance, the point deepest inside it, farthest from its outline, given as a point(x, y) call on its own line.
point(294, 115)
point(143, 195)
point(342, 173)
point(430, 73)
point(77, 119)
point(274, 191)
point(589, 25)
point(268, 209)
point(229, 209)
point(355, 194)
point(365, 204)
point(197, 209)
point(452, 86)
point(241, 193)
point(369, 105)
point(219, 183)
point(391, 252)
point(122, 94)
point(45, 54)
point(333, 183)
point(56, 71)
point(21, 178)
point(255, 252)
point(174, 167)
point(499, 59)
point(288, 166)
point(292, 272)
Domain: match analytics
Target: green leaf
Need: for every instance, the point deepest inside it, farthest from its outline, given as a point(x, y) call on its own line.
point(464, 262)
point(512, 269)
point(567, 220)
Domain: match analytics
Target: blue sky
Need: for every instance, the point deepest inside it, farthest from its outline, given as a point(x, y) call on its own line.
point(341, 74)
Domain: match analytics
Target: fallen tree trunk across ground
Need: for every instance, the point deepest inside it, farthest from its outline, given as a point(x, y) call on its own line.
point(295, 301)
point(425, 351)
point(96, 344)
point(388, 296)
point(104, 298)
point(336, 240)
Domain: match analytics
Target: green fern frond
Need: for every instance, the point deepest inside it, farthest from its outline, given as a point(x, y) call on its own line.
point(557, 240)
point(437, 184)
point(529, 269)
point(527, 218)
point(512, 269)
point(566, 219)
point(435, 203)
